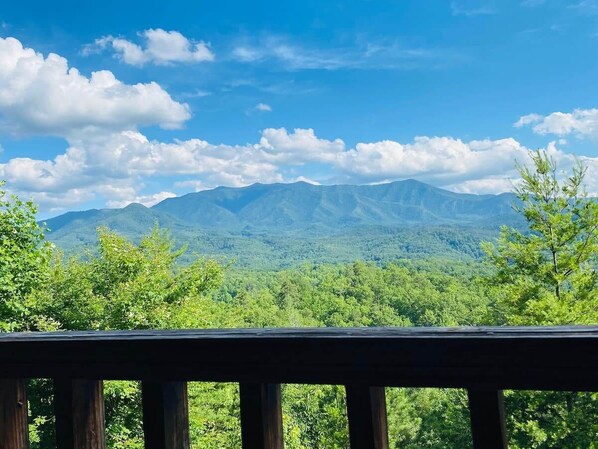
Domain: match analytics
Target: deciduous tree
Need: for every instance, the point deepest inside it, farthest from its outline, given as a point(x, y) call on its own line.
point(24, 261)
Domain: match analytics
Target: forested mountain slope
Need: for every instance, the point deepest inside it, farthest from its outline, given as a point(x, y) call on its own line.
point(274, 225)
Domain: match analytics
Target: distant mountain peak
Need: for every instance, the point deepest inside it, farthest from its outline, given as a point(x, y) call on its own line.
point(278, 223)
point(301, 205)
point(133, 206)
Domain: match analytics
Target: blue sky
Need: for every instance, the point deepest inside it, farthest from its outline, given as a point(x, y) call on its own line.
point(189, 95)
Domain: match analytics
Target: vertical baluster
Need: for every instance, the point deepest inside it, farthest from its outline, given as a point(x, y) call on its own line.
point(487, 411)
point(366, 411)
point(165, 415)
point(79, 408)
point(14, 433)
point(261, 416)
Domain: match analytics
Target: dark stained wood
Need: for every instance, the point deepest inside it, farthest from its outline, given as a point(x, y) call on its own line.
point(495, 358)
point(487, 411)
point(483, 360)
point(261, 416)
point(79, 409)
point(14, 433)
point(366, 411)
point(165, 415)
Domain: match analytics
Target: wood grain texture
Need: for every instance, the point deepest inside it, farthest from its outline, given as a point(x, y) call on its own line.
point(366, 411)
point(79, 409)
point(261, 416)
point(165, 415)
point(494, 358)
point(488, 426)
point(14, 433)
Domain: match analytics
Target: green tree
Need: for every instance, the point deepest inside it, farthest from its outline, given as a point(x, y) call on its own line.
point(122, 285)
point(547, 274)
point(127, 286)
point(24, 261)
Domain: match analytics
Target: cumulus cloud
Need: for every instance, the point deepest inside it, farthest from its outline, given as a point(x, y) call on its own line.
point(115, 166)
point(299, 147)
point(43, 95)
point(582, 123)
point(129, 156)
point(160, 47)
point(111, 168)
point(440, 160)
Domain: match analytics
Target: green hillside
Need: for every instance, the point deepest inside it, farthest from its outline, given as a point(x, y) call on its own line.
point(280, 225)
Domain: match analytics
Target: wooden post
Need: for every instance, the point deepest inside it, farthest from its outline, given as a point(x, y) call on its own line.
point(79, 408)
point(165, 415)
point(487, 411)
point(14, 433)
point(261, 416)
point(366, 411)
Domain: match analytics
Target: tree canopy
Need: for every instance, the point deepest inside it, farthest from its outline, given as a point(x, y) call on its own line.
point(24, 261)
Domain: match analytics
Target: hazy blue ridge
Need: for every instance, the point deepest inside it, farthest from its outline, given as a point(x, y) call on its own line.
point(274, 225)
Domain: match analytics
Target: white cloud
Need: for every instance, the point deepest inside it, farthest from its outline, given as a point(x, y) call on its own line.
point(263, 107)
point(481, 186)
point(307, 180)
point(478, 166)
point(279, 53)
point(113, 168)
point(528, 119)
point(193, 184)
point(247, 54)
point(299, 147)
point(146, 200)
point(440, 160)
point(582, 123)
point(43, 95)
point(197, 93)
point(160, 47)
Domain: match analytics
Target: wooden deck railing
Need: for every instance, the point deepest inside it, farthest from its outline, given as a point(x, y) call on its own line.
point(483, 360)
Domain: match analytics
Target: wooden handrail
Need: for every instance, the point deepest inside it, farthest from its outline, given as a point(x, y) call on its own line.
point(483, 360)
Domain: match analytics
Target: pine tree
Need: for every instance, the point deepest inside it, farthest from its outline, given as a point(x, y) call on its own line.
point(547, 274)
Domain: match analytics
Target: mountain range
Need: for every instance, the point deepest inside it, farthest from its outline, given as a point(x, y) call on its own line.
point(288, 223)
